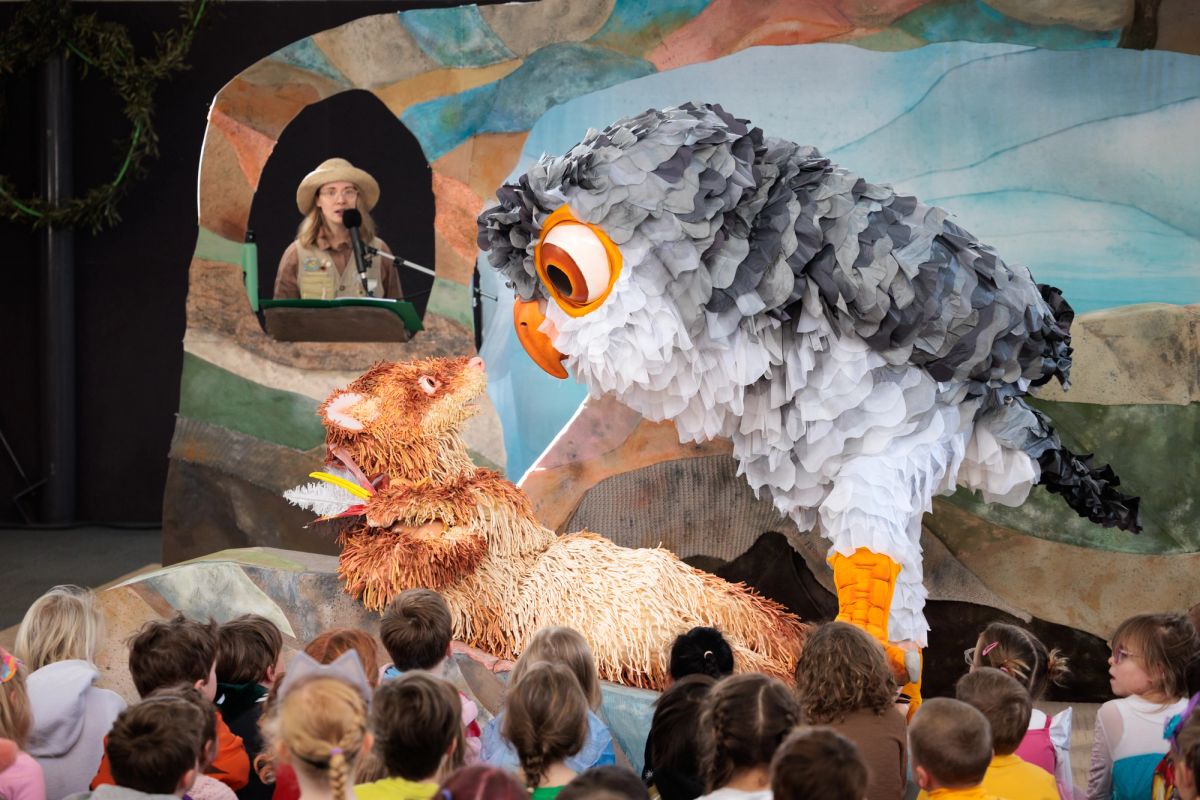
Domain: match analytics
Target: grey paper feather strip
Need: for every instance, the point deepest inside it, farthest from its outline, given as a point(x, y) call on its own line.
point(759, 252)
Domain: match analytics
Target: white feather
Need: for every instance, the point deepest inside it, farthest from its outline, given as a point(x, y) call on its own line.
point(321, 498)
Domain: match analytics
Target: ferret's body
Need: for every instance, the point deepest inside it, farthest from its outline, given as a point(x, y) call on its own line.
point(440, 522)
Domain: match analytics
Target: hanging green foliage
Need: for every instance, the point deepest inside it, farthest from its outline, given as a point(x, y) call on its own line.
point(43, 29)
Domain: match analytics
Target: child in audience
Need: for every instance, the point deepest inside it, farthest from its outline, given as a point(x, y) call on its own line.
point(818, 762)
point(950, 745)
point(153, 749)
point(249, 649)
point(205, 787)
point(701, 651)
point(843, 681)
point(58, 640)
point(1016, 651)
point(745, 720)
point(482, 782)
point(568, 647)
point(416, 721)
point(416, 631)
point(330, 645)
point(605, 783)
point(1185, 753)
point(1152, 656)
point(546, 721)
point(320, 731)
point(673, 746)
point(1007, 707)
point(166, 654)
point(23, 779)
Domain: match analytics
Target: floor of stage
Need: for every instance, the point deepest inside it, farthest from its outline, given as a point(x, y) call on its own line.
point(35, 559)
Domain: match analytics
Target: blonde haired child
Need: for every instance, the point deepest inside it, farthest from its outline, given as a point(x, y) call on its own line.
point(1153, 656)
point(58, 640)
point(23, 779)
point(566, 646)
point(320, 731)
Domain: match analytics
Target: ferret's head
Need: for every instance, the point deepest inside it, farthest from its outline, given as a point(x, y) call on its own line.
point(398, 415)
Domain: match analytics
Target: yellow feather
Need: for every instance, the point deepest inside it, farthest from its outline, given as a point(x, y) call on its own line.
point(352, 488)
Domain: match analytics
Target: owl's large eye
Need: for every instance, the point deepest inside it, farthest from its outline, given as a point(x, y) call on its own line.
point(577, 262)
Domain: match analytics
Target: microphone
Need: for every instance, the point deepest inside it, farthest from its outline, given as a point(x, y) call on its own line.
point(352, 219)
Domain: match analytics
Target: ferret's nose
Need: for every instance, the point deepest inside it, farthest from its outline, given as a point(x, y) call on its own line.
point(476, 362)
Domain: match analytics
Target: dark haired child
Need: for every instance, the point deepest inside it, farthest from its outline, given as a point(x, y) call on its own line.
point(416, 630)
point(605, 783)
point(1017, 652)
point(153, 749)
point(205, 787)
point(673, 745)
point(417, 725)
point(249, 652)
point(745, 720)
point(1006, 704)
point(844, 681)
point(702, 651)
point(546, 721)
point(1153, 657)
point(167, 654)
point(818, 762)
point(22, 778)
point(950, 744)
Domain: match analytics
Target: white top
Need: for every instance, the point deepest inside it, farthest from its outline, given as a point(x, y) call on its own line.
point(737, 794)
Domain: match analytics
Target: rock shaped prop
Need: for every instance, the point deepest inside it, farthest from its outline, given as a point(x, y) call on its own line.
point(430, 518)
point(862, 352)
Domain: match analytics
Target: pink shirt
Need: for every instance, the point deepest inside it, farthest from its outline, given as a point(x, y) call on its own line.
point(23, 780)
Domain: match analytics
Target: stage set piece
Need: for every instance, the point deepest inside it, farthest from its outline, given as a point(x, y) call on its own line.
point(777, 361)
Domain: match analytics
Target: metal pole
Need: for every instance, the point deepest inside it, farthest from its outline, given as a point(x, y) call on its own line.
point(57, 251)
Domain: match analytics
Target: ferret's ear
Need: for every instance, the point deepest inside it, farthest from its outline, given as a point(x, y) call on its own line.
point(429, 384)
point(350, 411)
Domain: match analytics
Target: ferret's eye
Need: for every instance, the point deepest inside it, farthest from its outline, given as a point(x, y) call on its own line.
point(576, 262)
point(429, 385)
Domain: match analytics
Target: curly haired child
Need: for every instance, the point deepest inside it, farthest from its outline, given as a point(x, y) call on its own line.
point(843, 681)
point(1154, 657)
point(546, 721)
point(745, 720)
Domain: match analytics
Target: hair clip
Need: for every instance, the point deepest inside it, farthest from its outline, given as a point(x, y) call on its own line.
point(706, 655)
point(9, 664)
point(335, 751)
point(989, 649)
point(347, 668)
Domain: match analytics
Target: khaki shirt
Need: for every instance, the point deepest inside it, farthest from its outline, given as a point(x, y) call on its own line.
point(328, 271)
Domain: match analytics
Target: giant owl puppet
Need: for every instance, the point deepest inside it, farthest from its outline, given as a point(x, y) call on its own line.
point(862, 352)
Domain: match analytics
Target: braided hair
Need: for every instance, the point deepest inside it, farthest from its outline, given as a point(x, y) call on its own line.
point(545, 718)
point(745, 719)
point(322, 725)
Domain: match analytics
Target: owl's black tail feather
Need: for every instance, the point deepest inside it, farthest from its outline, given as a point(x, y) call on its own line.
point(1089, 489)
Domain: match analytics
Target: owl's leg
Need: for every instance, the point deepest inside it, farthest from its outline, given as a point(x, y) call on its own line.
point(865, 584)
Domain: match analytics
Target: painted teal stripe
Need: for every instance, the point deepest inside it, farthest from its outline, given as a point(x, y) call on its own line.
point(219, 397)
point(214, 247)
point(452, 301)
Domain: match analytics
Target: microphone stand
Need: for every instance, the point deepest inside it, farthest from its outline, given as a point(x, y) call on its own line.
point(374, 251)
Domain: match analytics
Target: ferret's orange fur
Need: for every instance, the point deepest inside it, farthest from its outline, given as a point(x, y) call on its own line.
point(440, 522)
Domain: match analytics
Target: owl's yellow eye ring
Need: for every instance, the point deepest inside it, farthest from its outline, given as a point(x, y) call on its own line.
point(577, 262)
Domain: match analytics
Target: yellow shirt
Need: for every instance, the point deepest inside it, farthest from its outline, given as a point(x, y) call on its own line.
point(971, 793)
point(395, 789)
point(1016, 779)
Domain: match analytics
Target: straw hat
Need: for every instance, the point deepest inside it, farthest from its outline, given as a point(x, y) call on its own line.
point(336, 169)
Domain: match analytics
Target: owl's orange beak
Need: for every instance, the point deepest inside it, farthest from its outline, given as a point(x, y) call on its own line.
point(528, 317)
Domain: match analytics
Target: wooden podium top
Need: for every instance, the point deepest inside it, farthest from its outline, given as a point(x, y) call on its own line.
point(335, 324)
